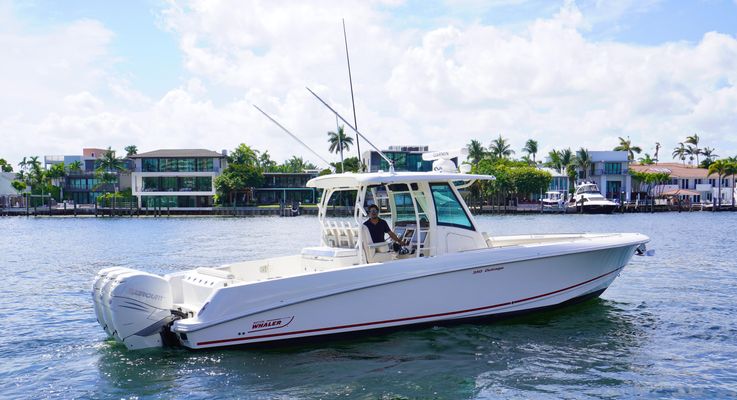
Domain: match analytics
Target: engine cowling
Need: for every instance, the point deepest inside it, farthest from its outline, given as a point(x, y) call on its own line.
point(136, 307)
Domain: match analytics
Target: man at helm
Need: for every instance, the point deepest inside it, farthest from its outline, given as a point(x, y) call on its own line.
point(377, 227)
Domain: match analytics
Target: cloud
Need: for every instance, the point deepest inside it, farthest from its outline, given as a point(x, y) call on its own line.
point(442, 86)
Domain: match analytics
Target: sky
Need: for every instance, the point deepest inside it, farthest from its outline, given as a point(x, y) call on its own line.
point(169, 74)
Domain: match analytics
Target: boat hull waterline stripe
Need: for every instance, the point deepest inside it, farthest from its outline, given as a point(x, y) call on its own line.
point(407, 318)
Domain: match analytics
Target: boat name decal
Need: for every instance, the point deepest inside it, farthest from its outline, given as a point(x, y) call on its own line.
point(487, 269)
point(148, 295)
point(275, 323)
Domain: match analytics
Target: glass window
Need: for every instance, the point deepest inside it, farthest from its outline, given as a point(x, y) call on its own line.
point(168, 165)
point(150, 184)
point(204, 164)
point(186, 164)
point(150, 165)
point(187, 184)
point(204, 183)
point(612, 168)
point(169, 184)
point(447, 207)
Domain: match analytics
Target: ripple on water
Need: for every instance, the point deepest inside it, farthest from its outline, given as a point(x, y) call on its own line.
point(665, 328)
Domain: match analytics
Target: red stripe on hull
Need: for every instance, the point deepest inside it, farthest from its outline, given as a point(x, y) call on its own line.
point(406, 318)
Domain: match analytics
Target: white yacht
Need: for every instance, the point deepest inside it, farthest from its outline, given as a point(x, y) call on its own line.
point(589, 200)
point(450, 271)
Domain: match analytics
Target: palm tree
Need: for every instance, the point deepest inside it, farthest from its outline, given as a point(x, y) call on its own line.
point(732, 170)
point(75, 167)
point(718, 167)
point(709, 155)
point(531, 149)
point(567, 162)
point(108, 167)
point(244, 154)
point(23, 164)
point(339, 142)
point(554, 156)
point(646, 160)
point(657, 151)
point(680, 152)
point(583, 161)
point(626, 145)
point(500, 148)
point(265, 162)
point(695, 150)
point(131, 150)
point(476, 151)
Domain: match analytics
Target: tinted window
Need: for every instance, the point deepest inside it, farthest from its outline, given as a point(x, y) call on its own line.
point(447, 207)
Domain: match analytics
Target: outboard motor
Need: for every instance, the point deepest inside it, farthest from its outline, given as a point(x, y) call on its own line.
point(134, 307)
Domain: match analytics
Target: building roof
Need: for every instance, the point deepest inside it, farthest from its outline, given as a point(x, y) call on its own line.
point(675, 170)
point(165, 153)
point(352, 180)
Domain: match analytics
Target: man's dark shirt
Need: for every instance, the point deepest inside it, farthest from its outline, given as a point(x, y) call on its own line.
point(377, 231)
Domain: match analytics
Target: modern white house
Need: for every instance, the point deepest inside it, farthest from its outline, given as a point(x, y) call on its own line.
point(9, 197)
point(610, 171)
point(176, 178)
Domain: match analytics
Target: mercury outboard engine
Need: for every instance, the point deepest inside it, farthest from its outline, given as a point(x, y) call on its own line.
point(134, 307)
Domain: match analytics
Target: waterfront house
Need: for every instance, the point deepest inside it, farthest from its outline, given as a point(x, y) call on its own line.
point(690, 183)
point(406, 158)
point(610, 171)
point(9, 197)
point(83, 186)
point(176, 178)
point(286, 188)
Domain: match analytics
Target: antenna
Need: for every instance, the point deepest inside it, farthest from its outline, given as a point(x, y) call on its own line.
point(381, 153)
point(295, 138)
point(353, 102)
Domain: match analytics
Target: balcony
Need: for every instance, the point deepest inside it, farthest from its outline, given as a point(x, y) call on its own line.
point(600, 171)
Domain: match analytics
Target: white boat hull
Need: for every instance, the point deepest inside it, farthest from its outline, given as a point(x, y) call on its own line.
point(483, 283)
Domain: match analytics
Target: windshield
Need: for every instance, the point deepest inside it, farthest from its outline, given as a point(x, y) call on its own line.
point(447, 207)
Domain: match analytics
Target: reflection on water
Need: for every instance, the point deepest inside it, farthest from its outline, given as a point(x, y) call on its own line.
point(665, 328)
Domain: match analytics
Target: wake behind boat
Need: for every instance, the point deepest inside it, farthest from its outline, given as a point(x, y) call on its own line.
point(449, 271)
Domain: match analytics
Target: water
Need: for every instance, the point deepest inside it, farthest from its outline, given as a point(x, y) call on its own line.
point(665, 328)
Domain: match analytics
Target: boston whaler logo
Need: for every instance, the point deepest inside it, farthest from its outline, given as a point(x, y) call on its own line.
point(268, 324)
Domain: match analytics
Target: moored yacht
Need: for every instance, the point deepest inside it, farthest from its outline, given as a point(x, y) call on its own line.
point(553, 201)
point(447, 271)
point(588, 199)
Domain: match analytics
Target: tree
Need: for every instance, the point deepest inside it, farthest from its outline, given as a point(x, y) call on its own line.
point(108, 168)
point(657, 151)
point(339, 142)
point(531, 149)
point(56, 173)
point(694, 150)
point(680, 152)
point(350, 164)
point(75, 167)
point(732, 170)
point(583, 161)
point(297, 164)
point(718, 167)
point(243, 173)
point(646, 160)
point(476, 151)
point(266, 163)
point(500, 148)
point(244, 154)
point(626, 145)
point(709, 156)
point(555, 162)
point(131, 150)
point(4, 166)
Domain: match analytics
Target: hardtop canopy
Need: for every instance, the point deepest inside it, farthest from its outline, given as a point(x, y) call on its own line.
point(354, 180)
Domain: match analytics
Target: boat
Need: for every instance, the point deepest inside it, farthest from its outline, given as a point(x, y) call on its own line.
point(448, 271)
point(553, 201)
point(588, 199)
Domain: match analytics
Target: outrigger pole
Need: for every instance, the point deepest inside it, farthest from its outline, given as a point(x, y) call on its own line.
point(353, 102)
point(381, 153)
point(295, 137)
